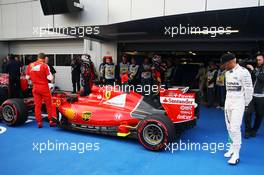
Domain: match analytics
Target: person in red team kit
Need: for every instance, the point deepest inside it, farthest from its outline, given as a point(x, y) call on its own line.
point(38, 72)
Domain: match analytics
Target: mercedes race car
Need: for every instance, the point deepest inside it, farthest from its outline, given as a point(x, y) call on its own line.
point(107, 110)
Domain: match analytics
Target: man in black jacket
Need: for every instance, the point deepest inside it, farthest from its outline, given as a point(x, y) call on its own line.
point(257, 104)
point(13, 68)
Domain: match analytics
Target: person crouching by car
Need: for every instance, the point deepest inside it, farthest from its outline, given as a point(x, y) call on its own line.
point(76, 74)
point(239, 93)
point(211, 79)
point(257, 104)
point(87, 73)
point(39, 73)
point(109, 73)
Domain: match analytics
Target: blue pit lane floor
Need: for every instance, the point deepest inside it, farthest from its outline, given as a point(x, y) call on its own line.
point(125, 156)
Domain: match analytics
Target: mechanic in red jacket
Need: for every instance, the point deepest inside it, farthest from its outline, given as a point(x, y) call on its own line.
point(38, 72)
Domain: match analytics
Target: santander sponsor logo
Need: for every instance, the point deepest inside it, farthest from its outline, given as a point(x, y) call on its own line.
point(183, 101)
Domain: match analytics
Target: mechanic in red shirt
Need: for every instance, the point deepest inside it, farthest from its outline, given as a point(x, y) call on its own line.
point(38, 72)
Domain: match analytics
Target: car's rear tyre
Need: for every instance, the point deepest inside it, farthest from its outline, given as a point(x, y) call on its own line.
point(156, 132)
point(14, 112)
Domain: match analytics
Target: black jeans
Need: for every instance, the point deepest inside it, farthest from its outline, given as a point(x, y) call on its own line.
point(14, 86)
point(221, 95)
point(256, 106)
point(86, 87)
point(76, 82)
point(211, 96)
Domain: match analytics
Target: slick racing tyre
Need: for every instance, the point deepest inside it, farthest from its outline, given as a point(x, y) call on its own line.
point(156, 132)
point(14, 112)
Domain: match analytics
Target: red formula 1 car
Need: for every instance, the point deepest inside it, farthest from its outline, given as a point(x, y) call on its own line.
point(110, 111)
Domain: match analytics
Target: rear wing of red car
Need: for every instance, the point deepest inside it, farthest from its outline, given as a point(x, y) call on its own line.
point(179, 104)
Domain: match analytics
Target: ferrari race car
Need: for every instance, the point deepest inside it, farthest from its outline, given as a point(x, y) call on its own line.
point(107, 110)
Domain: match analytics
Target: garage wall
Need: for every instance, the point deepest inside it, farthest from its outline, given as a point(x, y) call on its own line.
point(19, 18)
point(117, 14)
point(228, 4)
point(147, 9)
point(173, 7)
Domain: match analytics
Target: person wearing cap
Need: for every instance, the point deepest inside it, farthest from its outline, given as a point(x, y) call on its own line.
point(257, 104)
point(238, 96)
point(39, 73)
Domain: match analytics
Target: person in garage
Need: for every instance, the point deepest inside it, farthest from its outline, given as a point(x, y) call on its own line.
point(52, 69)
point(145, 73)
point(239, 94)
point(101, 70)
point(169, 74)
point(76, 74)
point(109, 71)
point(158, 68)
point(257, 104)
point(87, 73)
point(220, 87)
point(4, 65)
point(13, 68)
point(133, 72)
point(211, 80)
point(123, 66)
point(39, 73)
point(201, 77)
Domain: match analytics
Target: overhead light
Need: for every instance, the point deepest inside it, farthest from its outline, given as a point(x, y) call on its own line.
point(192, 53)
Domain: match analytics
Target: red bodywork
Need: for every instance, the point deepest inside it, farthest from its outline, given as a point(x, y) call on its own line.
point(109, 107)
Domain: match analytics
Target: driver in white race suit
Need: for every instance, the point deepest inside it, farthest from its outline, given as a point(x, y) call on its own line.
point(238, 96)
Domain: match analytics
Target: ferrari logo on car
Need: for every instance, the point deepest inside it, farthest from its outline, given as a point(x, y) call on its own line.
point(86, 116)
point(107, 95)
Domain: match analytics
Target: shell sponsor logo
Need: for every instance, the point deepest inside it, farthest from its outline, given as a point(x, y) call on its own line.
point(86, 115)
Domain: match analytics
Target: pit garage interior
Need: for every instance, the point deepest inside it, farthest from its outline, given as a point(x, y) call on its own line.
point(139, 39)
point(146, 37)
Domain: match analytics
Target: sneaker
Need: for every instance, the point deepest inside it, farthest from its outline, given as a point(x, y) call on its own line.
point(234, 160)
point(39, 125)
